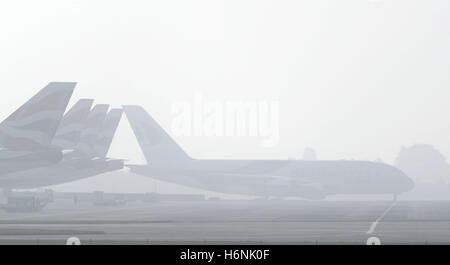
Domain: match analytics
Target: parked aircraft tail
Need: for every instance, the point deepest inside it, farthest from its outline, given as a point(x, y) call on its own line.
point(107, 132)
point(158, 147)
point(91, 130)
point(69, 131)
point(34, 124)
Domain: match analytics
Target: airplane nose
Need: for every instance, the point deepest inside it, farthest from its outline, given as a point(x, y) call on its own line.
point(410, 183)
point(407, 182)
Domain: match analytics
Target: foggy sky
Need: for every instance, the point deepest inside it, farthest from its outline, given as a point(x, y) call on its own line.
point(355, 79)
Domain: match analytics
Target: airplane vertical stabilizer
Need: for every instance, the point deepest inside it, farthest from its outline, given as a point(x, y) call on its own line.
point(91, 130)
point(69, 131)
point(158, 147)
point(107, 132)
point(34, 124)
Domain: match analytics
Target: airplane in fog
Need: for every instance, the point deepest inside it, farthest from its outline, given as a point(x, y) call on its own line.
point(166, 161)
point(85, 137)
point(26, 135)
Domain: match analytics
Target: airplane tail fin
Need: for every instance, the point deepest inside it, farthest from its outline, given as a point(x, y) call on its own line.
point(107, 132)
point(158, 147)
point(91, 130)
point(34, 124)
point(72, 124)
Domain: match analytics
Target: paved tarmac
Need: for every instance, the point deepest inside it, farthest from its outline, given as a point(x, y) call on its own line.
point(232, 222)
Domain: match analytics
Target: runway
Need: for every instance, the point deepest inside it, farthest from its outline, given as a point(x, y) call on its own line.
point(232, 222)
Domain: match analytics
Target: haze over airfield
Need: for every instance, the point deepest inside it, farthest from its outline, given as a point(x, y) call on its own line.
point(354, 79)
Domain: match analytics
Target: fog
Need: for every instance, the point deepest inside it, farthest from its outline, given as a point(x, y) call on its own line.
point(354, 79)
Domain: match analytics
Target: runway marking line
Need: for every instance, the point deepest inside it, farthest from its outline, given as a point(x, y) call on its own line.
point(373, 226)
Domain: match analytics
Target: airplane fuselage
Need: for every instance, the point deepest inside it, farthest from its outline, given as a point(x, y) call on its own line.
point(311, 179)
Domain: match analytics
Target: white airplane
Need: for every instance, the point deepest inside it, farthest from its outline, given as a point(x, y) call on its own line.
point(280, 178)
point(85, 136)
